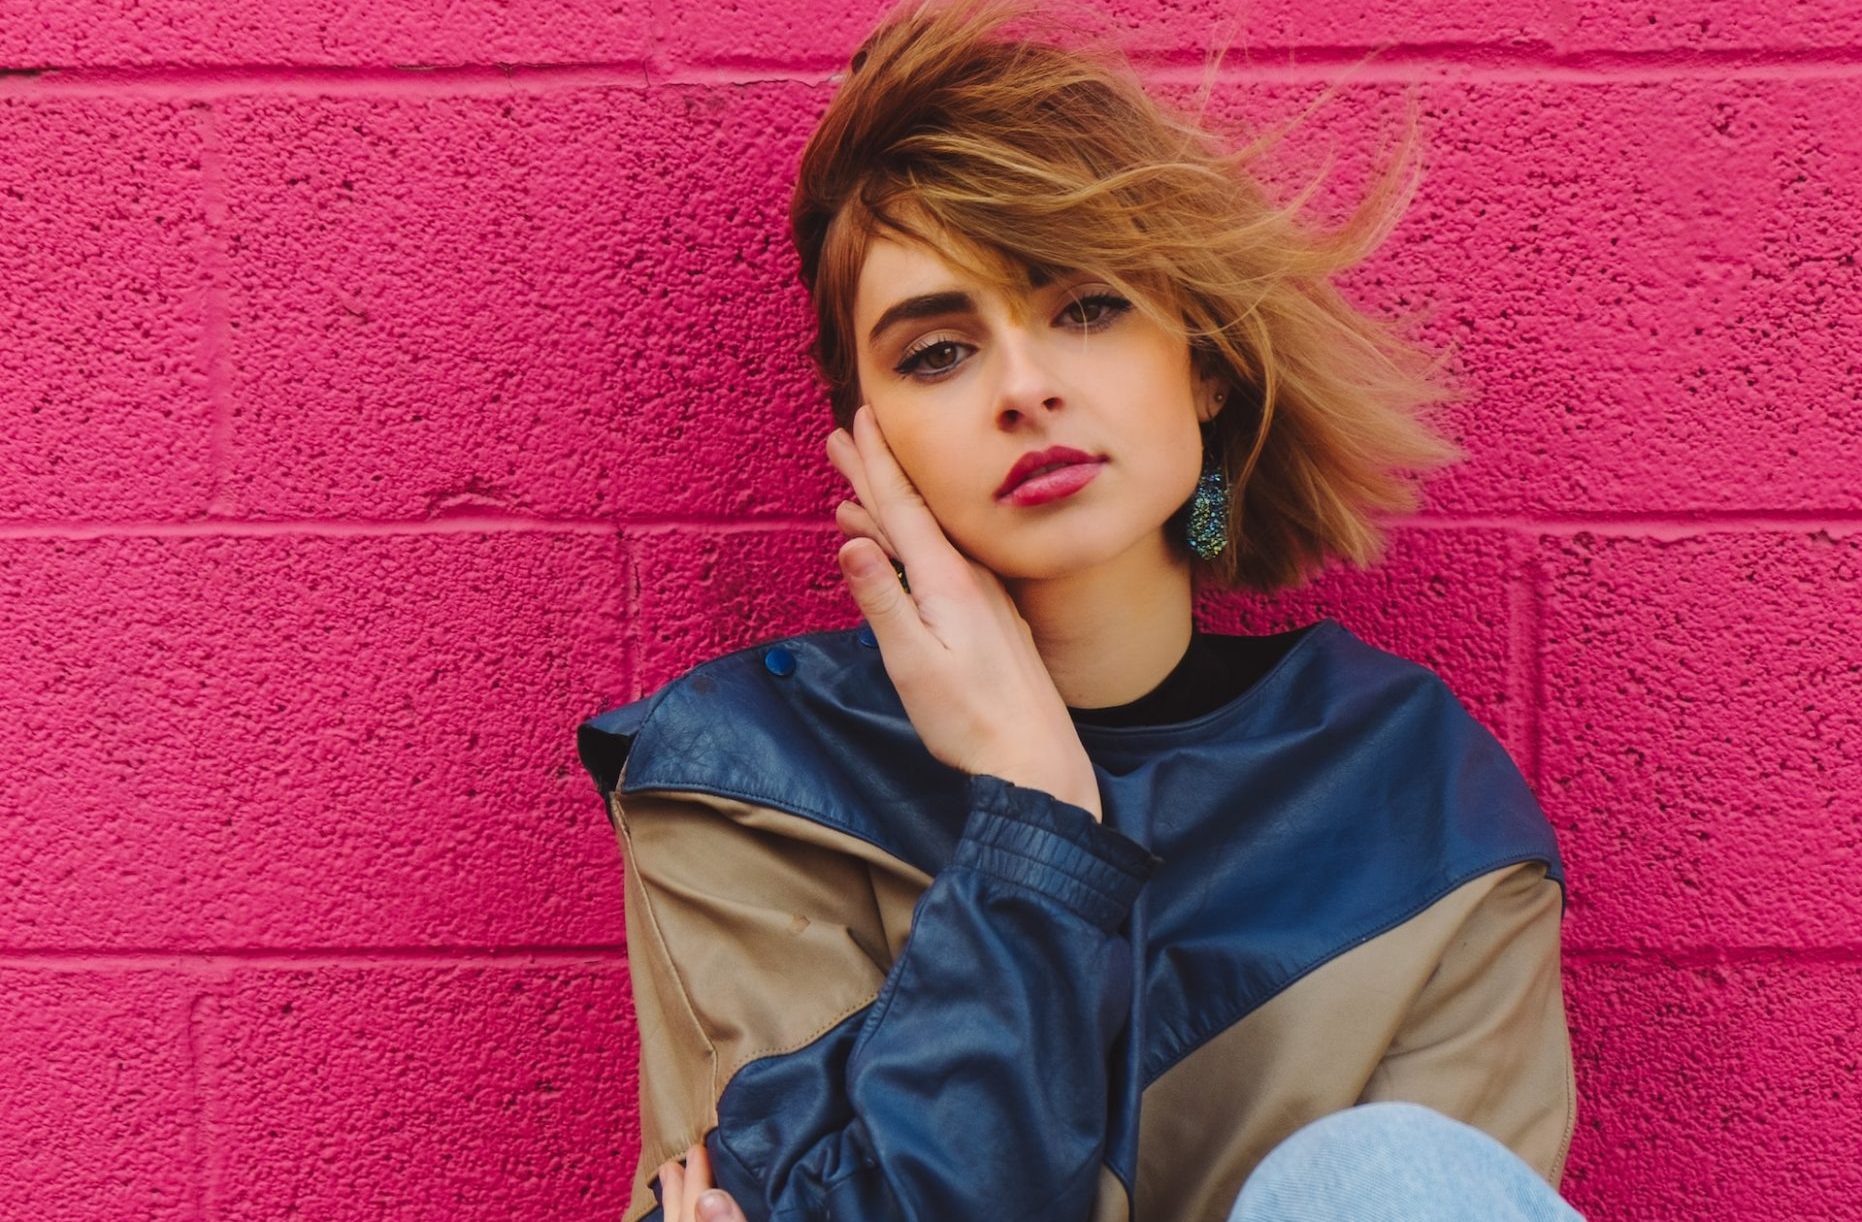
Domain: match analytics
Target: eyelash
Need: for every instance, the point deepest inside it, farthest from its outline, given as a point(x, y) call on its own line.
point(914, 358)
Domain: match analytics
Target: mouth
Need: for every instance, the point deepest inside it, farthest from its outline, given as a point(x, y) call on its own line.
point(1039, 464)
point(1052, 481)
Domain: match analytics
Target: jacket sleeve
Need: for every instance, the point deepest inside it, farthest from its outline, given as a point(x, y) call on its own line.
point(1486, 1041)
point(965, 1077)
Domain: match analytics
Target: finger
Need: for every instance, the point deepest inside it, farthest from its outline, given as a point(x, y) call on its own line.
point(852, 517)
point(717, 1206)
point(887, 606)
point(917, 538)
point(846, 457)
point(697, 1178)
point(671, 1189)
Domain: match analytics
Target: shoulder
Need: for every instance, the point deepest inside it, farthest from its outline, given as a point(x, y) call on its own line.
point(1357, 754)
point(808, 724)
point(1401, 729)
point(1339, 694)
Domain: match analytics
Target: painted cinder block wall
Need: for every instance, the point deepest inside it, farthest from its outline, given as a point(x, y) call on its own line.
point(387, 388)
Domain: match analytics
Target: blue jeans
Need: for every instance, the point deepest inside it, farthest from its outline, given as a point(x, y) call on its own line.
point(1395, 1162)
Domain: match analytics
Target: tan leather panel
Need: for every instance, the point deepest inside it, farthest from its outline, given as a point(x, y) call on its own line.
point(750, 932)
point(677, 1069)
point(1483, 961)
point(1487, 1041)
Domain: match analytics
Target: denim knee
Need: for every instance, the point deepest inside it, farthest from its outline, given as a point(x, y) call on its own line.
point(1398, 1162)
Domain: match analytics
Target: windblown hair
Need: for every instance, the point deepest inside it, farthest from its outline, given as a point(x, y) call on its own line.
point(1022, 156)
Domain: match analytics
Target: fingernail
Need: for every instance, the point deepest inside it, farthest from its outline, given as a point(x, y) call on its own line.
point(713, 1208)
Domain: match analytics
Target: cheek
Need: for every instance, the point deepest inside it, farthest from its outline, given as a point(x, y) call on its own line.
point(950, 490)
point(918, 457)
point(957, 490)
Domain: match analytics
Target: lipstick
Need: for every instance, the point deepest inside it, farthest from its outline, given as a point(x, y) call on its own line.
point(1051, 486)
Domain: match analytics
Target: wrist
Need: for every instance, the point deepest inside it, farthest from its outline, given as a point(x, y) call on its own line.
point(1069, 786)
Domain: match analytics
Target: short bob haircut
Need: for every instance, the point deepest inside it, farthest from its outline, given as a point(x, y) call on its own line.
point(1018, 158)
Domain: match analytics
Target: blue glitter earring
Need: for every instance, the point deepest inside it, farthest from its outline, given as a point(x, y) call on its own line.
point(1208, 522)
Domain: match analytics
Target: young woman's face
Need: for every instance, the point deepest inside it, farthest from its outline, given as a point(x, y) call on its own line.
point(962, 390)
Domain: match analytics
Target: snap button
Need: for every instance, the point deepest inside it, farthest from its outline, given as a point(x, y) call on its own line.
point(865, 636)
point(779, 661)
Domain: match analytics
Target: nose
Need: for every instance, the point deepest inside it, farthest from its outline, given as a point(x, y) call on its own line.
point(1029, 385)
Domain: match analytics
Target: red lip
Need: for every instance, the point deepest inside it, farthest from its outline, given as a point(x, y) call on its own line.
point(1034, 460)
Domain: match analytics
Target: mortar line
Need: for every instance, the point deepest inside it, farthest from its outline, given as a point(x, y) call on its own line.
point(1385, 63)
point(1516, 627)
point(1695, 957)
point(1630, 524)
point(200, 1155)
point(215, 266)
point(1534, 640)
point(338, 528)
point(1488, 63)
point(631, 649)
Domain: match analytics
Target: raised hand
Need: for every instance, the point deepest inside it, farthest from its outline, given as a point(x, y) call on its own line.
point(958, 651)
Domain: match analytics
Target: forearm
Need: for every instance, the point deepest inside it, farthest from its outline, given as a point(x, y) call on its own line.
point(976, 1084)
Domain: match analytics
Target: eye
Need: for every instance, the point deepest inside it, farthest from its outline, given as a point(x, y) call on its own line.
point(920, 357)
point(929, 359)
point(1108, 305)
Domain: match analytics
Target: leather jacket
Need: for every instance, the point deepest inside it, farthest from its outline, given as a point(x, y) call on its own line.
point(879, 988)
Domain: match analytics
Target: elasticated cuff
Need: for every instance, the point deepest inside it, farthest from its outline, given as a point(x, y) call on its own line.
point(1031, 837)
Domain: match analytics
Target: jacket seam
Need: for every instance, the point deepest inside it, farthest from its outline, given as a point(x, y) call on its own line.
point(1052, 901)
point(882, 1005)
point(800, 810)
point(1343, 946)
point(797, 1044)
point(1571, 1108)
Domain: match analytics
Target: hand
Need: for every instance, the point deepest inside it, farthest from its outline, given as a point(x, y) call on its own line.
point(680, 1189)
point(959, 653)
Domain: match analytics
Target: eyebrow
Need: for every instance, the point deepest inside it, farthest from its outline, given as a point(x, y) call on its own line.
point(925, 305)
point(934, 305)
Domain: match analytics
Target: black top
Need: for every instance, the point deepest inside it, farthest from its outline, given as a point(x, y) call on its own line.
point(1214, 670)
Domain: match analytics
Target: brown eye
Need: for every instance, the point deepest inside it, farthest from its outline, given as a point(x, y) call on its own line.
point(947, 348)
point(1108, 306)
point(920, 360)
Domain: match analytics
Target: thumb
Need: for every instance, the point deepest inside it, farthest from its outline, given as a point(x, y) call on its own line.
point(718, 1206)
point(876, 587)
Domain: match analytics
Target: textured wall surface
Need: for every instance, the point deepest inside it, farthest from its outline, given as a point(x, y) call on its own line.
point(386, 388)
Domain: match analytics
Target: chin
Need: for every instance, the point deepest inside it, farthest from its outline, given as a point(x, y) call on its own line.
point(1032, 562)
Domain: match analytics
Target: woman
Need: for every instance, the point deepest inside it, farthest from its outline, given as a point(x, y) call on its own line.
point(1027, 898)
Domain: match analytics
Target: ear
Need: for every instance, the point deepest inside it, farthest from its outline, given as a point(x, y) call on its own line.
point(1212, 395)
point(1211, 382)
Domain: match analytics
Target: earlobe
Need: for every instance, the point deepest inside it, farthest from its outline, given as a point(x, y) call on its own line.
point(1212, 406)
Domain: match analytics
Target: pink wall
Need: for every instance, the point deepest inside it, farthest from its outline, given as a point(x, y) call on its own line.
point(387, 389)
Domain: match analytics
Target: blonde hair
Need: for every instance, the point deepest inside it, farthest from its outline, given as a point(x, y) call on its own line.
point(1020, 157)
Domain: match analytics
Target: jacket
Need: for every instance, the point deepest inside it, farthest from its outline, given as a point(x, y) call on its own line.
point(878, 988)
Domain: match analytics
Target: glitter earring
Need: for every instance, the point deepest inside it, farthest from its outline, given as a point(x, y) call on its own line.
point(1208, 522)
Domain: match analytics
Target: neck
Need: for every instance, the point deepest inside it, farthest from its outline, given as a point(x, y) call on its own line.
point(1113, 632)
